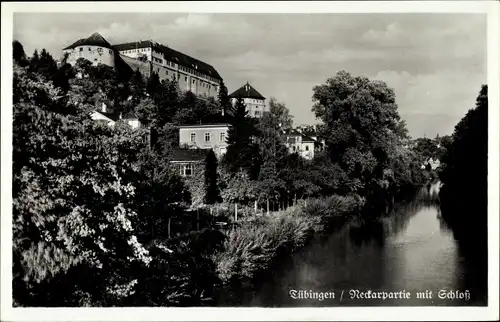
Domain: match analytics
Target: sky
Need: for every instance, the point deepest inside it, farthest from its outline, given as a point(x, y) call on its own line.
point(435, 62)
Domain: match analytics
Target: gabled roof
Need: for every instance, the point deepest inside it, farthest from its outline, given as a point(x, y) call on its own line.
point(247, 91)
point(293, 132)
point(189, 155)
point(112, 116)
point(306, 138)
point(172, 55)
point(93, 40)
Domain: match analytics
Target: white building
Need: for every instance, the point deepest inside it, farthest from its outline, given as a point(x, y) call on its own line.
point(254, 101)
point(300, 143)
point(205, 136)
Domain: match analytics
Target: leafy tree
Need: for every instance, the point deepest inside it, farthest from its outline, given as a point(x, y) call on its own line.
point(72, 209)
point(278, 116)
point(18, 54)
point(273, 152)
point(211, 189)
point(362, 128)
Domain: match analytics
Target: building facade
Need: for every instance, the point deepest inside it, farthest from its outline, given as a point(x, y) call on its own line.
point(205, 136)
point(300, 144)
point(254, 101)
point(192, 74)
point(150, 57)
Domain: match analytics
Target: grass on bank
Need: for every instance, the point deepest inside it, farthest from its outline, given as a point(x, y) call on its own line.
point(251, 247)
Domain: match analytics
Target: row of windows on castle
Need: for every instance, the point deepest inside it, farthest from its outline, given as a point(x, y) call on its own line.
point(168, 63)
point(202, 84)
point(100, 50)
point(208, 137)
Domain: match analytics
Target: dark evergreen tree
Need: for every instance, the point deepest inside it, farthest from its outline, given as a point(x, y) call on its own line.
point(47, 66)
point(34, 61)
point(211, 190)
point(137, 87)
point(241, 151)
point(153, 84)
point(223, 100)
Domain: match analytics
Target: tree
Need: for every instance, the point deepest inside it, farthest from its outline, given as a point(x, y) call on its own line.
point(464, 177)
point(211, 189)
point(46, 66)
point(362, 128)
point(223, 100)
point(137, 88)
point(72, 191)
point(241, 152)
point(18, 54)
point(153, 84)
point(278, 116)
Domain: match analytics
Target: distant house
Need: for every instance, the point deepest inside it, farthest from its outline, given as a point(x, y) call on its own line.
point(254, 101)
point(205, 136)
point(111, 118)
point(189, 162)
point(300, 143)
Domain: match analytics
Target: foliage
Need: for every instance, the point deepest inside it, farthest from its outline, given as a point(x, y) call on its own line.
point(18, 54)
point(278, 116)
point(241, 152)
point(362, 129)
point(464, 177)
point(223, 100)
point(82, 213)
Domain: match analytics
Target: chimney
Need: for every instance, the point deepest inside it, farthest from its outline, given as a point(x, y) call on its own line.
point(104, 107)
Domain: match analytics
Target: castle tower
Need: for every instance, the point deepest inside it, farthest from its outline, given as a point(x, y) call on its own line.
point(255, 102)
point(94, 48)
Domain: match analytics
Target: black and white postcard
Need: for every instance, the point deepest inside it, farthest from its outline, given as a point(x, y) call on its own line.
point(250, 161)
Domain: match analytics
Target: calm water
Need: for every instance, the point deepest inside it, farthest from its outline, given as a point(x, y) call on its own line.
point(411, 250)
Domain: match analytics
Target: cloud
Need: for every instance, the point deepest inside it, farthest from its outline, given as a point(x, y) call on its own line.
point(193, 21)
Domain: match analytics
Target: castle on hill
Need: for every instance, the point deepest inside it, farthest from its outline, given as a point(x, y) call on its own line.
point(192, 74)
point(150, 57)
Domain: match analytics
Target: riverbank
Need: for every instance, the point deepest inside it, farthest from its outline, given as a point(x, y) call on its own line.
point(252, 248)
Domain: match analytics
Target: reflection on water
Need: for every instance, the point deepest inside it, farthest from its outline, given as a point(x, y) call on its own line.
point(409, 250)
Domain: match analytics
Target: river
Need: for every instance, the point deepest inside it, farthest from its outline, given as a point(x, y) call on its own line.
point(410, 250)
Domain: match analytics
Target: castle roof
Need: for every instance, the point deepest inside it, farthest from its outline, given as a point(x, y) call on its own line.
point(93, 40)
point(173, 56)
point(247, 91)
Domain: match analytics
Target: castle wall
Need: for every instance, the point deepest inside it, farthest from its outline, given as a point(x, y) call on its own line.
point(95, 54)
